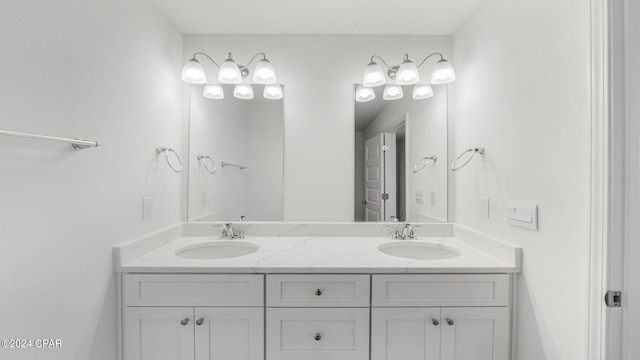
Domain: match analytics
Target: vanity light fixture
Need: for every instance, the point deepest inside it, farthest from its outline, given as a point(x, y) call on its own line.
point(231, 72)
point(364, 94)
point(405, 74)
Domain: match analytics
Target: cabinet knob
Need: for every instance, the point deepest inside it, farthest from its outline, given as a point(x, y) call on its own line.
point(449, 321)
point(435, 321)
point(184, 321)
point(318, 292)
point(317, 337)
point(199, 321)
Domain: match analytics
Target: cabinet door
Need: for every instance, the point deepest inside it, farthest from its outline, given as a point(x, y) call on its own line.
point(405, 334)
point(161, 333)
point(229, 333)
point(475, 333)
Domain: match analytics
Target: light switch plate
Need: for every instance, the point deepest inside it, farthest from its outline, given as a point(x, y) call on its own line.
point(419, 197)
point(484, 207)
point(147, 208)
point(523, 215)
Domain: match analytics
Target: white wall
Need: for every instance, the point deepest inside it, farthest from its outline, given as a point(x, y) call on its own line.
point(523, 92)
point(105, 71)
point(319, 72)
point(264, 146)
point(427, 135)
point(217, 129)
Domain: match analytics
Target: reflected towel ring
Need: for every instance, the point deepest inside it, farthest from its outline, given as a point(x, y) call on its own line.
point(417, 167)
point(203, 160)
point(166, 151)
point(479, 150)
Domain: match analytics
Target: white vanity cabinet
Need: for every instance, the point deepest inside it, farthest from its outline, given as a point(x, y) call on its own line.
point(187, 317)
point(440, 317)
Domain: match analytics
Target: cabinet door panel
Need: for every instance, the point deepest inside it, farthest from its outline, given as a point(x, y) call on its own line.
point(158, 334)
point(405, 334)
point(230, 333)
point(476, 334)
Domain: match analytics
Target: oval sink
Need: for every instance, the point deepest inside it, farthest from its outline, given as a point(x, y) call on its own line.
point(419, 251)
point(217, 250)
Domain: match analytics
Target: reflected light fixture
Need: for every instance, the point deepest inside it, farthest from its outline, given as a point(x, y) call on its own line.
point(392, 92)
point(231, 72)
point(243, 91)
point(406, 74)
point(272, 92)
point(364, 94)
point(421, 91)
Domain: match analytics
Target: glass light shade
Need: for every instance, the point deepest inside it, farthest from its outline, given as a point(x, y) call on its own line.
point(442, 73)
point(243, 91)
point(193, 72)
point(392, 92)
point(422, 92)
point(213, 91)
point(264, 73)
point(229, 73)
point(373, 76)
point(364, 94)
point(407, 73)
point(272, 92)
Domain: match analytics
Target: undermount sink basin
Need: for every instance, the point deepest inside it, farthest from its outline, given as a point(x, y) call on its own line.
point(418, 251)
point(217, 250)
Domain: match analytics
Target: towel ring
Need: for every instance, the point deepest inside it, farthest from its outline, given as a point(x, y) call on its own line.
point(423, 162)
point(166, 151)
point(479, 150)
point(203, 159)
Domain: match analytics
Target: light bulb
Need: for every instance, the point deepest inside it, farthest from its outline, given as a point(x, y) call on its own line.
point(213, 91)
point(442, 73)
point(407, 73)
point(272, 92)
point(243, 91)
point(193, 72)
point(364, 94)
point(229, 72)
point(373, 76)
point(392, 92)
point(264, 73)
point(422, 92)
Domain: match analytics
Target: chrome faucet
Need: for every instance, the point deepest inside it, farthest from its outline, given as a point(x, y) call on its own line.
point(233, 231)
point(403, 231)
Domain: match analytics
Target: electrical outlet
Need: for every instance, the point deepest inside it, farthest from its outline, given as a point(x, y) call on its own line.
point(419, 197)
point(147, 208)
point(484, 207)
point(433, 198)
point(203, 198)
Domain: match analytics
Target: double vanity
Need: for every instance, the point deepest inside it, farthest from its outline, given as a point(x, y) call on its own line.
point(300, 292)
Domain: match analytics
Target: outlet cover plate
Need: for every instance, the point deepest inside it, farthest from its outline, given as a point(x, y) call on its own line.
point(484, 207)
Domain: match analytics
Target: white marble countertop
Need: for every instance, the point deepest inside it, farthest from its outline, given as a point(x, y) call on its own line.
point(321, 254)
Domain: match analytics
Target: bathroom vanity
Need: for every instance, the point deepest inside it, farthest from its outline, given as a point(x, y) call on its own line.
point(316, 297)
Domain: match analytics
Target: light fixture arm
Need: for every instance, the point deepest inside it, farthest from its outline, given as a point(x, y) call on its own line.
point(381, 59)
point(208, 57)
point(425, 59)
point(264, 57)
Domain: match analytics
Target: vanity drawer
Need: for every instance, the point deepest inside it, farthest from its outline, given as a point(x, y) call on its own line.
point(321, 333)
point(440, 290)
point(318, 290)
point(193, 290)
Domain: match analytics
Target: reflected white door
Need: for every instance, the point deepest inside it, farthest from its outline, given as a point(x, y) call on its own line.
point(373, 178)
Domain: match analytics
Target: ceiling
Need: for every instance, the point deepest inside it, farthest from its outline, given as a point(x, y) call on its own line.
point(398, 17)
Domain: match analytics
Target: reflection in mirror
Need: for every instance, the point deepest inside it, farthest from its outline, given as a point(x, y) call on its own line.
point(401, 158)
point(245, 142)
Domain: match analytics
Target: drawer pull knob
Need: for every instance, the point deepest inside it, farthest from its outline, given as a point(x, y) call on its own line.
point(318, 292)
point(317, 337)
point(184, 321)
point(449, 321)
point(199, 321)
point(435, 321)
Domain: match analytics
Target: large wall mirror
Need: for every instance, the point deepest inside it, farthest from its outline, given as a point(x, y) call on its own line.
point(401, 158)
point(236, 157)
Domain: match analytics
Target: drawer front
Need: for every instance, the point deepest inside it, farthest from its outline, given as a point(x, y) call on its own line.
point(318, 290)
point(322, 333)
point(193, 290)
point(440, 290)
